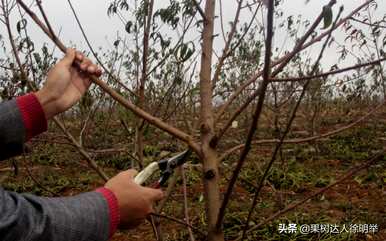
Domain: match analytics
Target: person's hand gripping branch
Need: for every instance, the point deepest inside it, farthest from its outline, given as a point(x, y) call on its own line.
point(66, 84)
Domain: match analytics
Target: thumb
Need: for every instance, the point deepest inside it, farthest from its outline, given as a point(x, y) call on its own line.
point(69, 58)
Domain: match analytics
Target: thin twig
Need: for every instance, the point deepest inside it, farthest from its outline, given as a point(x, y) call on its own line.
point(225, 52)
point(298, 47)
point(199, 9)
point(33, 178)
point(147, 20)
point(307, 139)
point(290, 207)
point(286, 131)
point(176, 220)
point(368, 24)
point(186, 209)
point(333, 72)
point(39, 3)
point(256, 116)
point(95, 54)
point(169, 190)
point(286, 58)
point(119, 98)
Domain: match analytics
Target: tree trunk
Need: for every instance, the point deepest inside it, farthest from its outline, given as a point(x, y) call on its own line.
point(212, 191)
point(209, 154)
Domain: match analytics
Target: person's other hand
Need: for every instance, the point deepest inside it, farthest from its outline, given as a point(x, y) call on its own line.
point(135, 202)
point(66, 84)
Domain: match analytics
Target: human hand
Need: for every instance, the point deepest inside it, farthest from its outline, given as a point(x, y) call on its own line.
point(66, 84)
point(135, 202)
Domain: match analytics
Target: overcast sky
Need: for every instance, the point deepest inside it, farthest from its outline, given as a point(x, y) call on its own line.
point(102, 29)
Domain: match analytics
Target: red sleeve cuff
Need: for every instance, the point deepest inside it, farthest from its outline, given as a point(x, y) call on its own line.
point(113, 208)
point(32, 114)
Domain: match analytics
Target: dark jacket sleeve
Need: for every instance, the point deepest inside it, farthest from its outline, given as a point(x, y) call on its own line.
point(30, 218)
point(12, 131)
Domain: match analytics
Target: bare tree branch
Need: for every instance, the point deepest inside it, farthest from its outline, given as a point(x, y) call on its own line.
point(307, 139)
point(199, 9)
point(333, 72)
point(290, 207)
point(180, 222)
point(287, 129)
point(186, 208)
point(256, 116)
point(225, 52)
point(286, 57)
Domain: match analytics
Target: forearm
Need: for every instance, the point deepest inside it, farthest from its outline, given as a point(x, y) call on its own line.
point(12, 131)
point(26, 217)
point(20, 119)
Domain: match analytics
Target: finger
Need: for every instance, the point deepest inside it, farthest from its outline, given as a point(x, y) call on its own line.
point(155, 194)
point(80, 75)
point(85, 64)
point(86, 81)
point(91, 69)
point(79, 56)
point(87, 61)
point(69, 58)
point(131, 173)
point(98, 72)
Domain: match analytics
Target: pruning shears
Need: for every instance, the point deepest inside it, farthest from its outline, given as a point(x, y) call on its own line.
point(165, 166)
